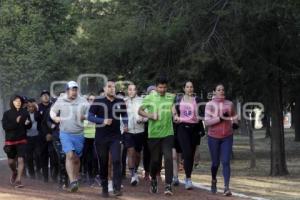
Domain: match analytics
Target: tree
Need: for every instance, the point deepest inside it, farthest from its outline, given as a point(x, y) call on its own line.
point(249, 45)
point(34, 38)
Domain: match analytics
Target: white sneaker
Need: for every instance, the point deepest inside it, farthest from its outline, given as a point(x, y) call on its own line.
point(175, 181)
point(110, 186)
point(134, 180)
point(137, 177)
point(188, 184)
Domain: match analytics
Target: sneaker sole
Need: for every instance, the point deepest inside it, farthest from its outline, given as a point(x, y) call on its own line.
point(74, 189)
point(117, 195)
point(134, 183)
point(228, 194)
point(19, 186)
point(153, 192)
point(176, 184)
point(168, 193)
point(64, 188)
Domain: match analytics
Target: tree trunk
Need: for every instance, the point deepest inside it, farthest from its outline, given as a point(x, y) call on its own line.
point(246, 128)
point(267, 123)
point(268, 127)
point(252, 144)
point(297, 119)
point(1, 106)
point(293, 114)
point(1, 130)
point(278, 158)
point(243, 127)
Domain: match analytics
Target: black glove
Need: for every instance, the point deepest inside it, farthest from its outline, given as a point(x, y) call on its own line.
point(235, 126)
point(225, 115)
point(202, 133)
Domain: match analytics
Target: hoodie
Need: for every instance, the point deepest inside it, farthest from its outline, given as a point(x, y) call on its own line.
point(15, 133)
point(70, 112)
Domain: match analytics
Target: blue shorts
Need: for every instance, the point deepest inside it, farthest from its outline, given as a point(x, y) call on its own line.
point(72, 142)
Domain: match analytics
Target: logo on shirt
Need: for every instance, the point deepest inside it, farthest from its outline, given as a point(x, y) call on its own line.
point(187, 111)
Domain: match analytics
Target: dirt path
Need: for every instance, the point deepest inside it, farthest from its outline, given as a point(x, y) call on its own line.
point(37, 190)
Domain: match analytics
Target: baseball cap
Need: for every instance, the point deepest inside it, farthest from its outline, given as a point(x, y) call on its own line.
point(45, 92)
point(24, 99)
point(71, 84)
point(150, 88)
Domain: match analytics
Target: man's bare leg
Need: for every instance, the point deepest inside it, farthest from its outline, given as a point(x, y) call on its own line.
point(175, 167)
point(70, 166)
point(137, 160)
point(76, 167)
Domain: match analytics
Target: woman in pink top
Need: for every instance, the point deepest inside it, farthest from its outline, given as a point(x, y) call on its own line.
point(186, 115)
point(220, 118)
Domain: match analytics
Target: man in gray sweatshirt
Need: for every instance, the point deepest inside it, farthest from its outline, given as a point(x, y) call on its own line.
point(70, 110)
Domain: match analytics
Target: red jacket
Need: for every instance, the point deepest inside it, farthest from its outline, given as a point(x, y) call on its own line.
point(214, 110)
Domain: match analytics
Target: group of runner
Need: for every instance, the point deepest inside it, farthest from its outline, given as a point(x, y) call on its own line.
point(94, 138)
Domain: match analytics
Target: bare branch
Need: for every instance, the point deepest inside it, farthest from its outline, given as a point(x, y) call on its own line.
point(215, 26)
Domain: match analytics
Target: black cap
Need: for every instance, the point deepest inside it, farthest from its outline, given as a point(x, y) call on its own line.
point(120, 93)
point(45, 92)
point(24, 99)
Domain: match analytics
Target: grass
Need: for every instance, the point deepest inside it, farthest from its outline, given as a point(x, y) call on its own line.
point(256, 181)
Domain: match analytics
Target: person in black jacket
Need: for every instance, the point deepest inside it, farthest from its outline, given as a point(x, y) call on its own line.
point(107, 112)
point(45, 133)
point(15, 123)
point(187, 115)
point(33, 146)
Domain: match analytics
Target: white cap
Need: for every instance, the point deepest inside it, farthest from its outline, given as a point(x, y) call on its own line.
point(71, 84)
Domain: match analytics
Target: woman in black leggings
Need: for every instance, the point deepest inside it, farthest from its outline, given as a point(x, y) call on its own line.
point(187, 114)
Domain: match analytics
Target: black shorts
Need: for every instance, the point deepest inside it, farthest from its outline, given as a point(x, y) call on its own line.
point(139, 141)
point(177, 146)
point(14, 151)
point(136, 140)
